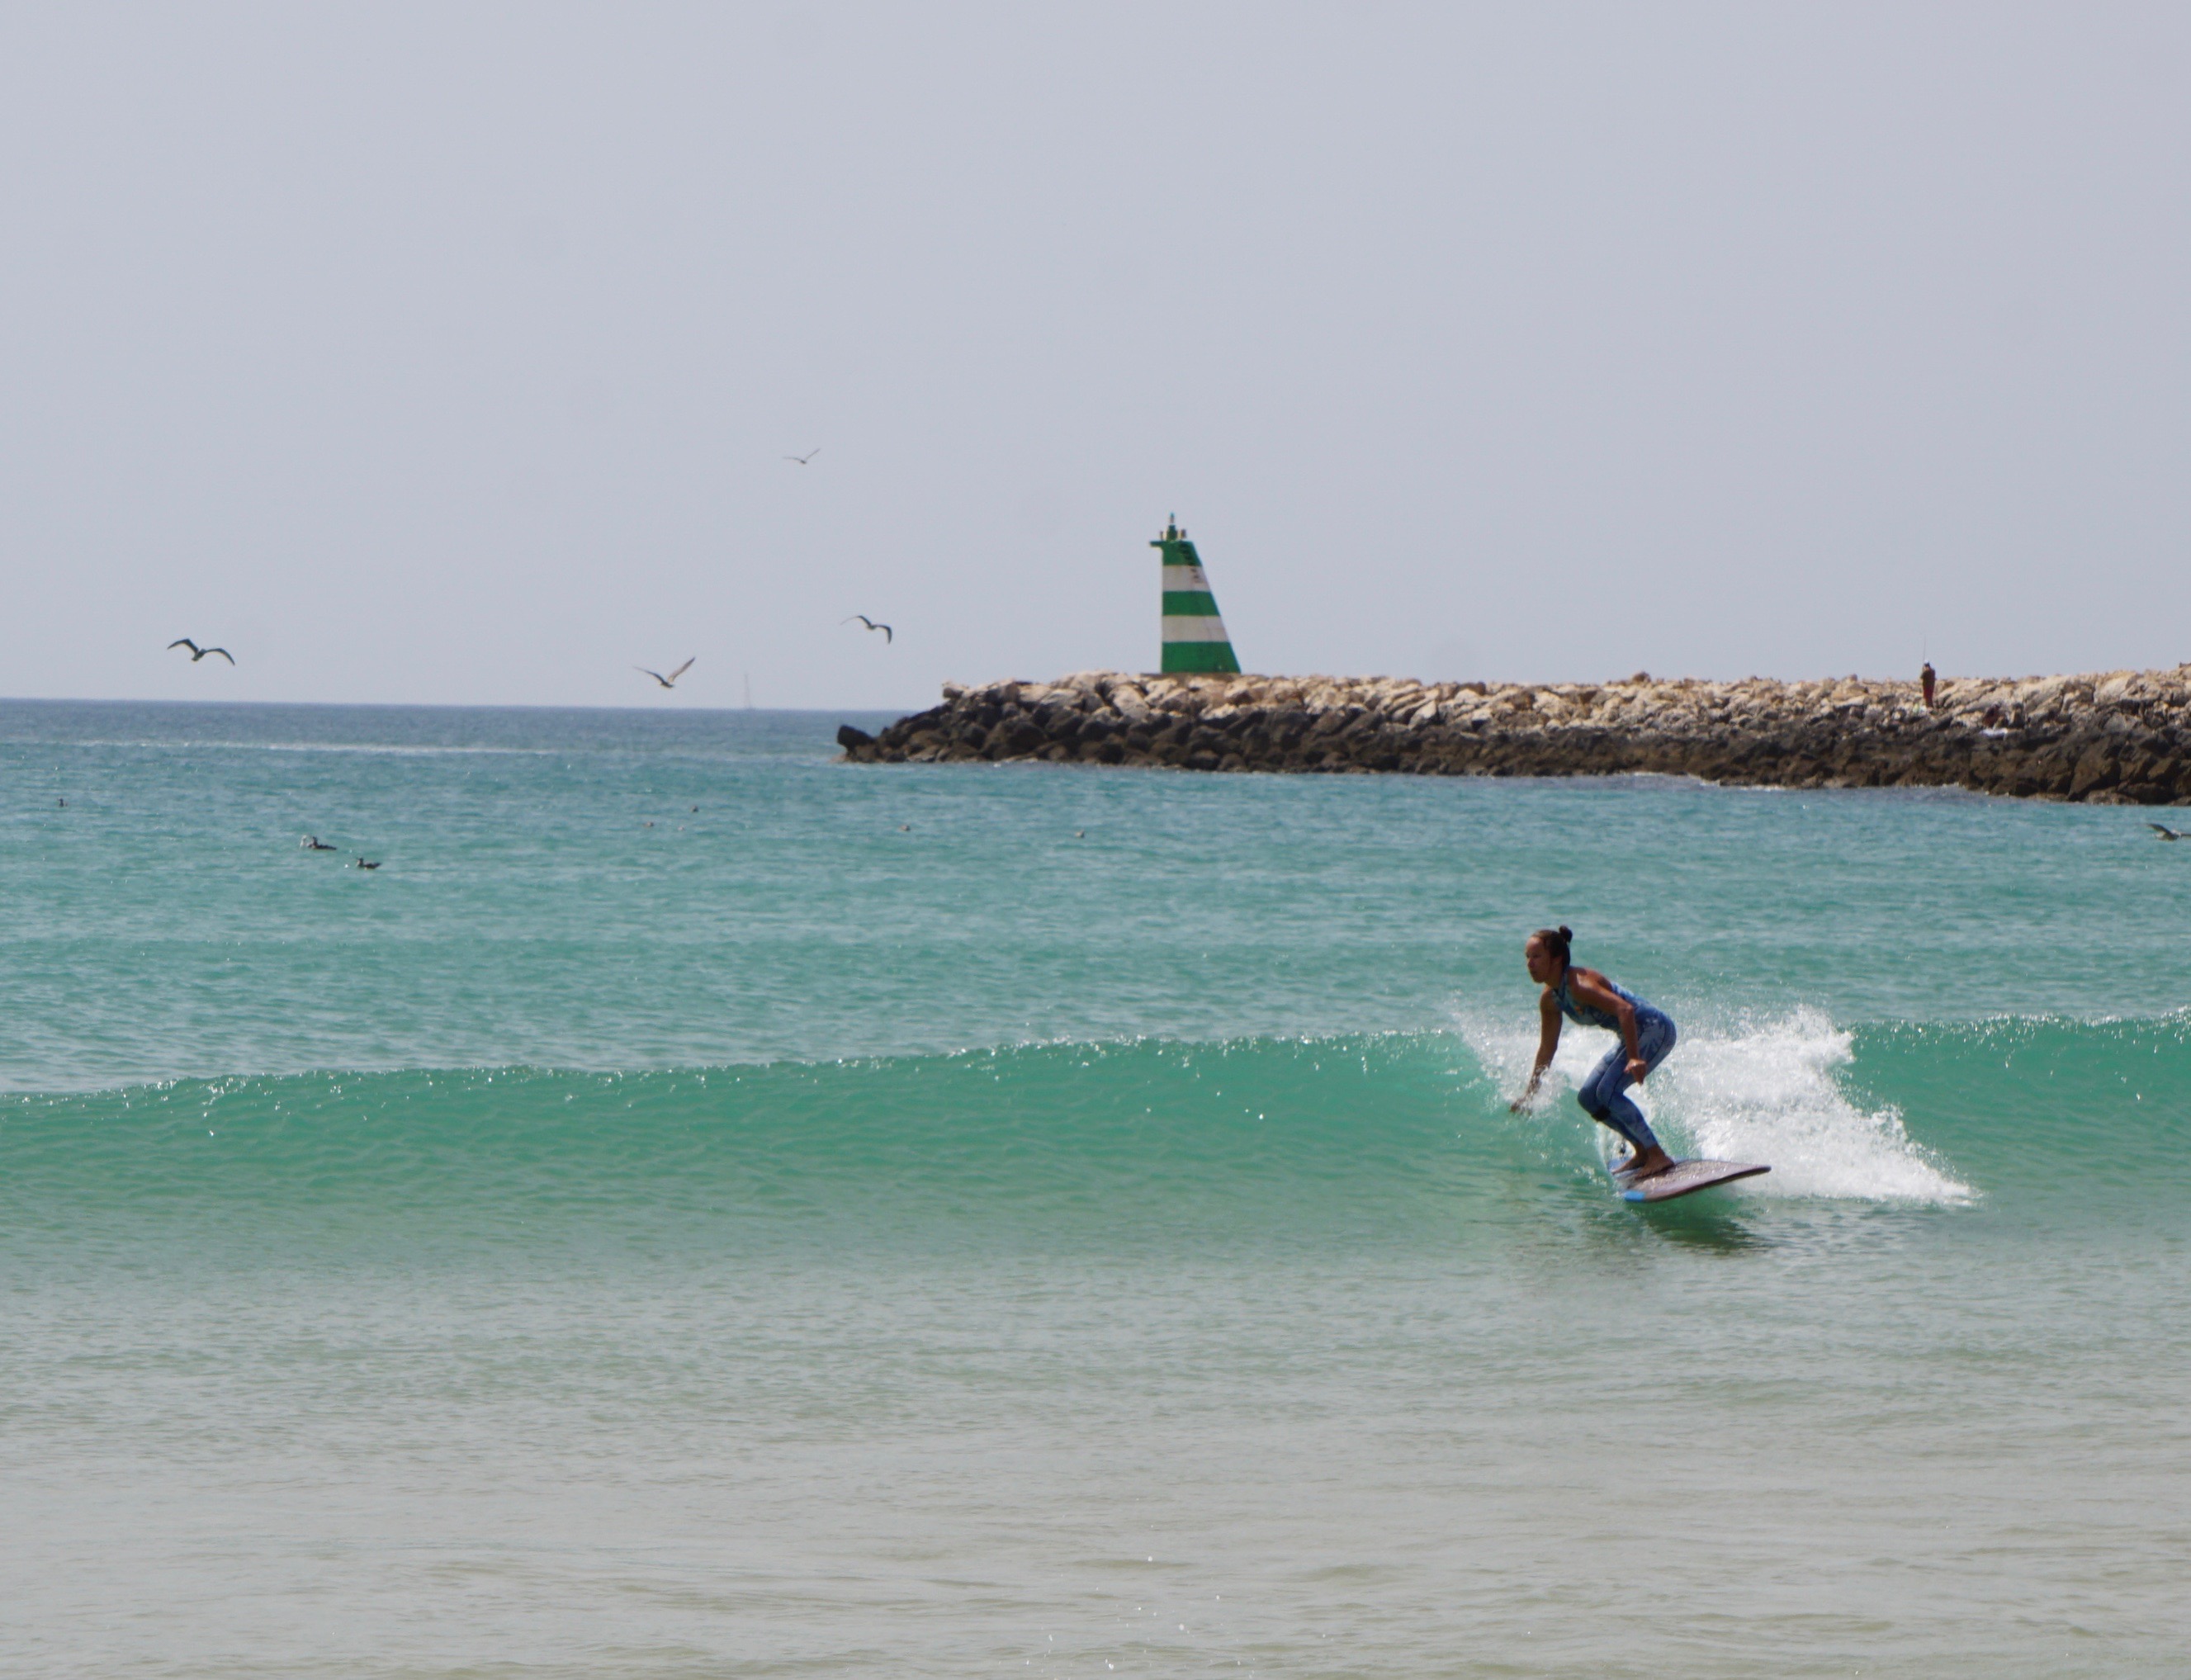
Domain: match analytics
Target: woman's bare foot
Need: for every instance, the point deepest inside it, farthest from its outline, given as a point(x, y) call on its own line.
point(1643, 1163)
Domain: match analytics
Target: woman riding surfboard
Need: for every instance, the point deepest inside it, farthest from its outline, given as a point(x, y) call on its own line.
point(1585, 996)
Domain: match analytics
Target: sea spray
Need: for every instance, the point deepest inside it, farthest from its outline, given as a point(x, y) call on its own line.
point(1771, 1089)
point(1750, 1089)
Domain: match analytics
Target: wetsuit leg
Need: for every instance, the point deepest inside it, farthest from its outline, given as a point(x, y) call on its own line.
point(1604, 1096)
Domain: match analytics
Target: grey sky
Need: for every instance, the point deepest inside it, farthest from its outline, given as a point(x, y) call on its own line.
point(450, 353)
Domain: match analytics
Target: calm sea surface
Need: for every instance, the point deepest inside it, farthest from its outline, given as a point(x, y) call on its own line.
point(700, 1209)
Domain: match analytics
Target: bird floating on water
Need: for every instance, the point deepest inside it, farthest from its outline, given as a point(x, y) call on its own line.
point(887, 637)
point(808, 456)
point(364, 863)
point(198, 653)
point(670, 681)
point(2167, 834)
point(314, 843)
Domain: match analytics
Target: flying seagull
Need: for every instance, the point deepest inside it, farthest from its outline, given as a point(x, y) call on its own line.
point(198, 653)
point(887, 637)
point(314, 843)
point(364, 863)
point(808, 456)
point(670, 681)
point(2167, 834)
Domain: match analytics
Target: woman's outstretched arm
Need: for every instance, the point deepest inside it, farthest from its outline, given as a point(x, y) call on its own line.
point(1548, 1040)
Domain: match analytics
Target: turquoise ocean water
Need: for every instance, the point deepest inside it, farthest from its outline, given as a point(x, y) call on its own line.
point(700, 1209)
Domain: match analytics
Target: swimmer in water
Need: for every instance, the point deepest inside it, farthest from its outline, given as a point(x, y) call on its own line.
point(1646, 1033)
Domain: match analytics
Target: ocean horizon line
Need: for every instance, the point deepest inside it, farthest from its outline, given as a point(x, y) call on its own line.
point(619, 709)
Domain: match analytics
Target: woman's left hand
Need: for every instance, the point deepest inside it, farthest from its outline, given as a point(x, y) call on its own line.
point(1637, 1068)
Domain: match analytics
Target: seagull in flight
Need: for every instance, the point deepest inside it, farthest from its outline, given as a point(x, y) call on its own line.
point(314, 843)
point(670, 681)
point(887, 637)
point(808, 456)
point(2167, 834)
point(198, 653)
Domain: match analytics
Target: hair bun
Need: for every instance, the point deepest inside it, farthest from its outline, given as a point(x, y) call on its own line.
point(1565, 932)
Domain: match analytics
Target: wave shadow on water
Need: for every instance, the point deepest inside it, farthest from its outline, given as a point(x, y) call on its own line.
point(1707, 1226)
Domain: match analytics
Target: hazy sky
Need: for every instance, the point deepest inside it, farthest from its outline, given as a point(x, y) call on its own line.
point(451, 352)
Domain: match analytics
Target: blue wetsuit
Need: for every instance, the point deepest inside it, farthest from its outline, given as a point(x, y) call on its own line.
point(1603, 1094)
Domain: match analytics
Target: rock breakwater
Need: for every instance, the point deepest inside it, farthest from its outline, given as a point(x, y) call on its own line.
point(2119, 738)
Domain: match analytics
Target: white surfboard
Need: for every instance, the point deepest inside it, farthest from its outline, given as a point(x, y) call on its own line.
point(1683, 1178)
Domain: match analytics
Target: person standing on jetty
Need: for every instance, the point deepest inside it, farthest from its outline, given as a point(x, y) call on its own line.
point(1647, 1034)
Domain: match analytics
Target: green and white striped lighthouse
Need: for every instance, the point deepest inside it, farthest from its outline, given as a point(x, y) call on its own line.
point(1194, 638)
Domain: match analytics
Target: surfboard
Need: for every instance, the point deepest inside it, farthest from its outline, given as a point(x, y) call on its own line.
point(1683, 1178)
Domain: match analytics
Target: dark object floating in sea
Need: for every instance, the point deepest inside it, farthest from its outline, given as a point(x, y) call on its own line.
point(363, 863)
point(314, 843)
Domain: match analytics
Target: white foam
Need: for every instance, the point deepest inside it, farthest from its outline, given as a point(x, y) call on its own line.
point(1753, 1089)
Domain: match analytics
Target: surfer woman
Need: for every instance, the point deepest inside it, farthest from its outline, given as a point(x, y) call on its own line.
point(1646, 1033)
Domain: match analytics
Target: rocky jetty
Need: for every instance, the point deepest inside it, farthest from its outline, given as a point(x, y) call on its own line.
point(2121, 738)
